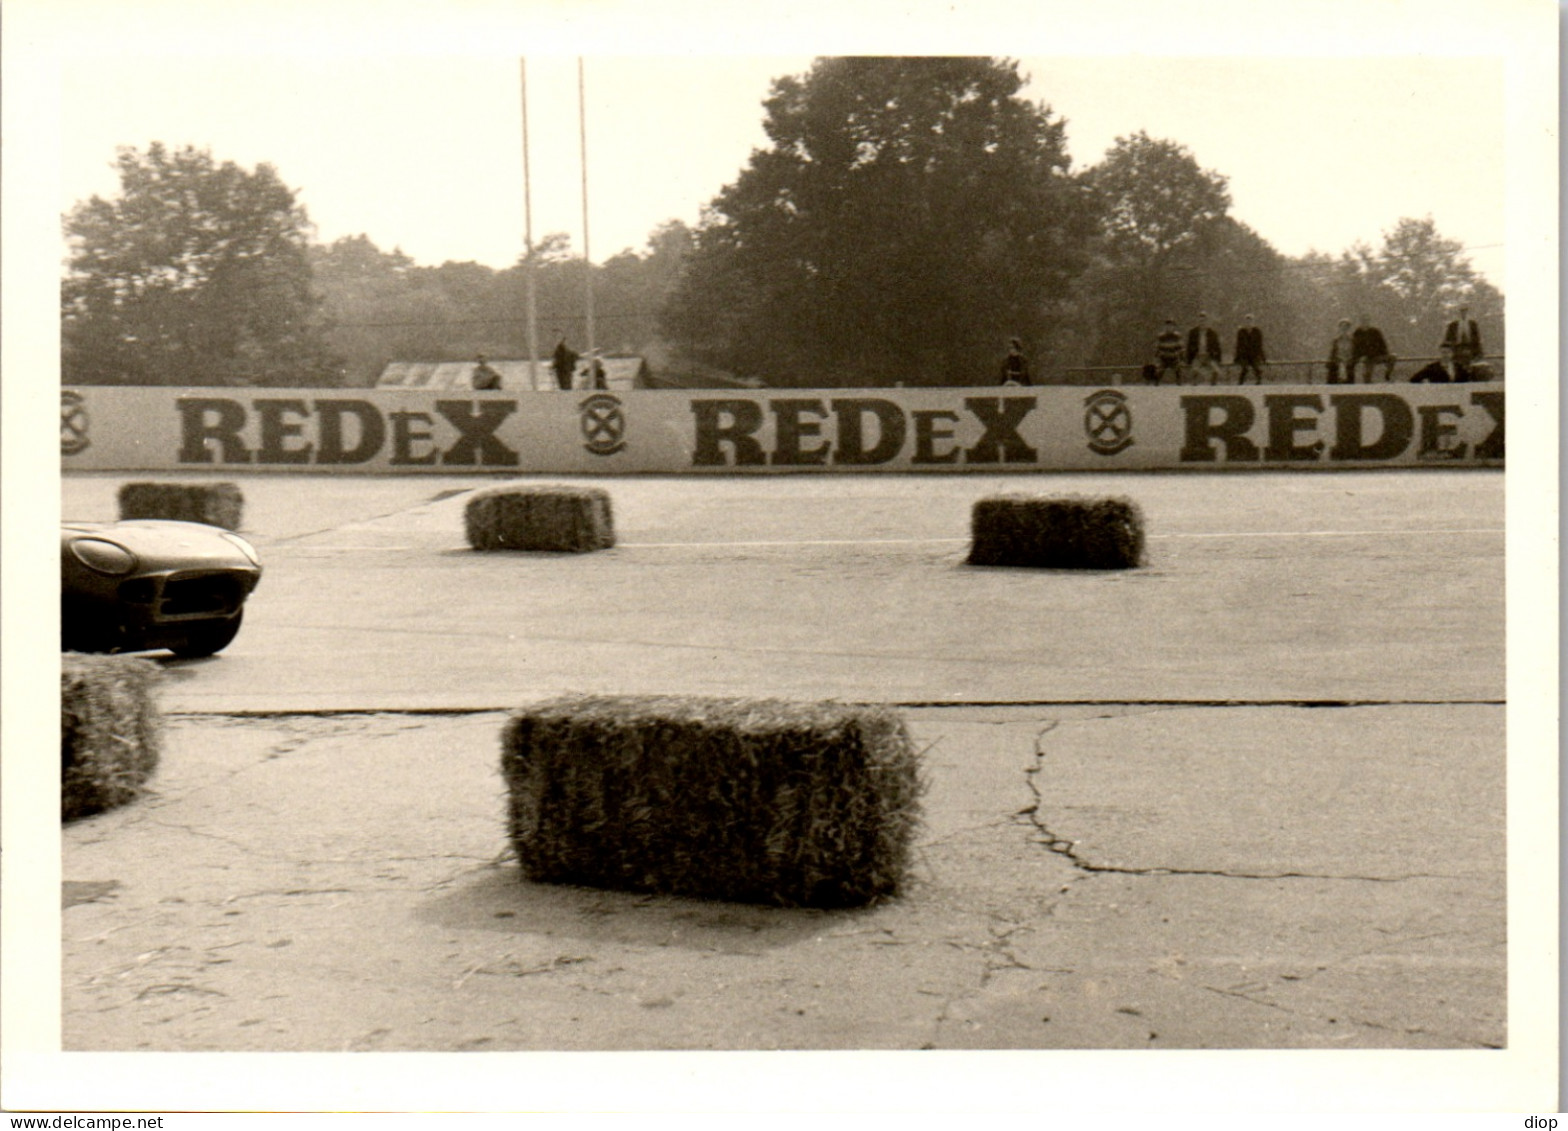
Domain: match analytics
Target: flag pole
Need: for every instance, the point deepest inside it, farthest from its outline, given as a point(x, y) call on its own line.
point(582, 128)
point(528, 242)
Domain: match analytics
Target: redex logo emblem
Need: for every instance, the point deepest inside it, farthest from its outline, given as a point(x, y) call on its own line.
point(603, 424)
point(1108, 422)
point(73, 423)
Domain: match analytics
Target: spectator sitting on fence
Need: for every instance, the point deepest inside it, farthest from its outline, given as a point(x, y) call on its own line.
point(1443, 370)
point(484, 377)
point(1249, 352)
point(1015, 366)
point(1368, 351)
point(1203, 350)
point(1340, 354)
point(1167, 353)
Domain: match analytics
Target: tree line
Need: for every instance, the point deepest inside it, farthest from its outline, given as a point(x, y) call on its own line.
point(908, 217)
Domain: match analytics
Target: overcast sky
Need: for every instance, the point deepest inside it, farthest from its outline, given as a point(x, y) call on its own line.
point(425, 152)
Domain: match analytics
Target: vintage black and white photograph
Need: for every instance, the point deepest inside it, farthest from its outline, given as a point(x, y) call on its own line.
point(925, 534)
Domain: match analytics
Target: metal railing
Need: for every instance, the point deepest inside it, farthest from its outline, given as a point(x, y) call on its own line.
point(1274, 373)
point(1293, 372)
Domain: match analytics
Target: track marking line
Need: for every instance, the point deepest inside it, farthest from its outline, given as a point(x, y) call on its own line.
point(1152, 537)
point(793, 542)
point(1424, 533)
point(1332, 533)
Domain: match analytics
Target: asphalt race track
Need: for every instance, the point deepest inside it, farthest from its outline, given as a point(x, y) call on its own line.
point(1249, 796)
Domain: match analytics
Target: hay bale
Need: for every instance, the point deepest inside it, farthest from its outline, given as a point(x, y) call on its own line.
point(109, 731)
point(564, 519)
point(755, 801)
point(1056, 533)
point(216, 504)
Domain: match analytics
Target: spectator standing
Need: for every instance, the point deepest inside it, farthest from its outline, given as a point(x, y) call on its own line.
point(1368, 351)
point(1203, 350)
point(484, 377)
point(564, 362)
point(1465, 337)
point(1249, 352)
point(596, 372)
point(1340, 354)
point(1167, 352)
point(1015, 366)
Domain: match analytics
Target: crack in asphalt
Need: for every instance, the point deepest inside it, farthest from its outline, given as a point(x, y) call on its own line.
point(238, 845)
point(1405, 1031)
point(286, 539)
point(287, 892)
point(1068, 848)
point(508, 966)
point(999, 955)
point(939, 1022)
point(966, 831)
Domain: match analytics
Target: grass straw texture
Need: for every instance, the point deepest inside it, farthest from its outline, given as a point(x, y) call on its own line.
point(753, 801)
point(558, 518)
point(110, 731)
point(216, 504)
point(1056, 533)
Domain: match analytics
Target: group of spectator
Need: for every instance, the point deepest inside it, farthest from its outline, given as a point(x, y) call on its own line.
point(1459, 356)
point(563, 363)
point(1197, 354)
point(1356, 353)
point(1364, 351)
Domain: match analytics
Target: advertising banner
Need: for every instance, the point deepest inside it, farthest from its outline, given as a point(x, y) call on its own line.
point(678, 431)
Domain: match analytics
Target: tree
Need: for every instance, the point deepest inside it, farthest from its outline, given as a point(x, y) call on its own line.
point(381, 306)
point(373, 309)
point(196, 274)
point(909, 216)
point(1225, 270)
point(1316, 299)
point(1413, 282)
point(631, 288)
point(1167, 248)
point(1154, 198)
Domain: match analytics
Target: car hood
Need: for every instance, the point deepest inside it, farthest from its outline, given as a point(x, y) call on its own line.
point(156, 541)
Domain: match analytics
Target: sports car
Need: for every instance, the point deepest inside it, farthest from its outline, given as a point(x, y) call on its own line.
point(142, 584)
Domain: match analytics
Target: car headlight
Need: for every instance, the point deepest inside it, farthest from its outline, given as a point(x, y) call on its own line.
point(244, 547)
point(103, 557)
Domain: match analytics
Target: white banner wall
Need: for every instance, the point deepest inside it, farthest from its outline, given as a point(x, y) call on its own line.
point(399, 431)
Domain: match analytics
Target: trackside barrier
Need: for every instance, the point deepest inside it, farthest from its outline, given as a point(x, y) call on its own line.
point(1288, 372)
point(702, 431)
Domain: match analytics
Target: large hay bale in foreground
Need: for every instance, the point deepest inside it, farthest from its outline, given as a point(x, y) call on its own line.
point(216, 504)
point(755, 801)
point(564, 519)
point(1056, 533)
point(109, 731)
